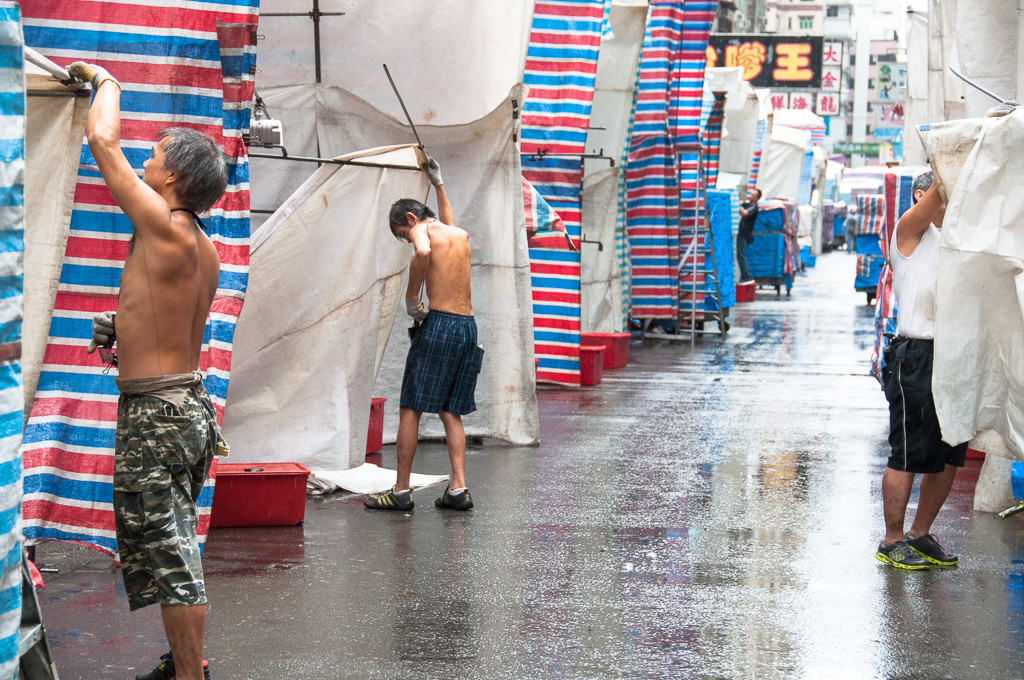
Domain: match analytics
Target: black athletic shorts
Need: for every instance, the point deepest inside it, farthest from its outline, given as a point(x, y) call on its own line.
point(914, 433)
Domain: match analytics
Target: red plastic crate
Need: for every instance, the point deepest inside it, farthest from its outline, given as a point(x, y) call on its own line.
point(616, 347)
point(975, 454)
point(375, 434)
point(745, 292)
point(591, 365)
point(259, 495)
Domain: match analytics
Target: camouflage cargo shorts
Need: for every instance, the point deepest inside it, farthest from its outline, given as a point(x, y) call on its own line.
point(161, 460)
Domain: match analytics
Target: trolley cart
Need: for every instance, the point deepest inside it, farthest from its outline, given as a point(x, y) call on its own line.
point(773, 256)
point(870, 249)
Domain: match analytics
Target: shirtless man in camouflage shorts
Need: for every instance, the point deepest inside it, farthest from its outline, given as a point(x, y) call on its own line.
point(166, 426)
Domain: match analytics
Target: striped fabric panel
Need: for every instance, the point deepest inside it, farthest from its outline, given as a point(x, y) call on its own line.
point(755, 163)
point(183, 62)
point(652, 190)
point(871, 216)
point(12, 246)
point(711, 137)
point(688, 92)
point(561, 65)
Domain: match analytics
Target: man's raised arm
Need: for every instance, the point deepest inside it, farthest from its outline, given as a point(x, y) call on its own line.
point(444, 208)
point(915, 221)
point(143, 206)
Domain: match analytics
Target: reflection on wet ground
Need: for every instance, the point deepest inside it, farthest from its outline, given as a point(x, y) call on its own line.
point(704, 513)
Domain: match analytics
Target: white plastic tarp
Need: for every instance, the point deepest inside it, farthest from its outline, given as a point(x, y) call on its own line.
point(779, 176)
point(916, 108)
point(986, 45)
point(54, 124)
point(600, 283)
point(978, 376)
point(743, 111)
point(325, 283)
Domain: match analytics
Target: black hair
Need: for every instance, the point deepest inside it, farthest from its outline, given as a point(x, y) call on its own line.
point(199, 164)
point(923, 182)
point(397, 218)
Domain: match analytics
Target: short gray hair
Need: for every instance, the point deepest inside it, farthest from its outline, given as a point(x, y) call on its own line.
point(199, 164)
point(923, 182)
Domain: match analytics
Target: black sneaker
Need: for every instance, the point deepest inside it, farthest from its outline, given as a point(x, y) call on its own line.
point(900, 555)
point(459, 501)
point(927, 547)
point(390, 500)
point(165, 670)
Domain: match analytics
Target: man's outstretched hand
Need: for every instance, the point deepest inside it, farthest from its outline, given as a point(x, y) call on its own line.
point(433, 170)
point(1004, 109)
point(415, 309)
point(92, 74)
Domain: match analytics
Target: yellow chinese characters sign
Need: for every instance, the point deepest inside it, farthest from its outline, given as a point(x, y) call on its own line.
point(769, 60)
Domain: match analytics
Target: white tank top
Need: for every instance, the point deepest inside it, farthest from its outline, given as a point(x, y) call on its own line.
point(914, 279)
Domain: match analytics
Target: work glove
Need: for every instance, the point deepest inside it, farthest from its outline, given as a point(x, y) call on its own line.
point(415, 309)
point(1003, 109)
point(92, 74)
point(433, 171)
point(102, 331)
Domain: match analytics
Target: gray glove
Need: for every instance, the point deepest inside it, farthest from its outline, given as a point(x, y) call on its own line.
point(1003, 109)
point(415, 309)
point(92, 74)
point(433, 171)
point(102, 331)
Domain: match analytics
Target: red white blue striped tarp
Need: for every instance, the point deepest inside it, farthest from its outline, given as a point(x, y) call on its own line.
point(180, 63)
point(871, 217)
point(12, 247)
point(561, 65)
point(755, 162)
point(542, 223)
point(711, 137)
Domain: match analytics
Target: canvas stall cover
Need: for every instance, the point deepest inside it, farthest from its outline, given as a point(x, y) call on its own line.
point(978, 376)
point(739, 132)
point(560, 70)
point(54, 125)
point(179, 63)
point(779, 176)
point(609, 132)
point(312, 334)
point(987, 43)
point(916, 108)
point(12, 209)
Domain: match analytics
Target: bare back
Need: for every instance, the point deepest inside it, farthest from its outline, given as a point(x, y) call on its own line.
point(167, 288)
point(448, 274)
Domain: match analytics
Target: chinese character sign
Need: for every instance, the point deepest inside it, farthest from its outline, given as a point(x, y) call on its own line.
point(828, 104)
point(831, 79)
point(801, 101)
point(779, 100)
point(832, 54)
point(774, 61)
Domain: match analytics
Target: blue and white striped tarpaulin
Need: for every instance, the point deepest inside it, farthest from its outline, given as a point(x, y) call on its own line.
point(12, 245)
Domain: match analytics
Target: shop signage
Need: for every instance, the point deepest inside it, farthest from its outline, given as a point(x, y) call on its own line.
point(774, 61)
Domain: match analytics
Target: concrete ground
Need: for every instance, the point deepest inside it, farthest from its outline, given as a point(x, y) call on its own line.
point(703, 513)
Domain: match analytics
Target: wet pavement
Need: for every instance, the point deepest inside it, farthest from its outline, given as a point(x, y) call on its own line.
point(703, 513)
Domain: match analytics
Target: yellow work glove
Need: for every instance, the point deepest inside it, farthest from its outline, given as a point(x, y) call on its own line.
point(92, 74)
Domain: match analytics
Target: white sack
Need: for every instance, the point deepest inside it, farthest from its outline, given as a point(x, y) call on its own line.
point(325, 283)
point(453, 61)
point(613, 87)
point(54, 125)
point(600, 285)
point(978, 377)
point(782, 163)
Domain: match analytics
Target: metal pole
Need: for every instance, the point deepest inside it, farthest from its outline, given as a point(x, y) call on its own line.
point(316, 37)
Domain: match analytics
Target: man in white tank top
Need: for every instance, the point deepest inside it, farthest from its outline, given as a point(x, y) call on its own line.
point(914, 434)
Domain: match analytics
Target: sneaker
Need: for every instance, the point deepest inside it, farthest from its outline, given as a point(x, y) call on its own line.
point(901, 556)
point(927, 547)
point(165, 670)
point(390, 500)
point(461, 501)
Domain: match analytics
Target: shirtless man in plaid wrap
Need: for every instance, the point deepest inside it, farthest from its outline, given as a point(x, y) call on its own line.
point(444, 358)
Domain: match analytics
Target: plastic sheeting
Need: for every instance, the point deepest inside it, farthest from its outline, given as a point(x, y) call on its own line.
point(54, 125)
point(312, 333)
point(12, 208)
point(986, 45)
point(978, 376)
point(743, 112)
point(480, 165)
point(601, 287)
point(782, 163)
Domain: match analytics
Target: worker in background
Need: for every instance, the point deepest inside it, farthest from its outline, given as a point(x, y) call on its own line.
point(914, 434)
point(745, 234)
point(444, 357)
point(167, 430)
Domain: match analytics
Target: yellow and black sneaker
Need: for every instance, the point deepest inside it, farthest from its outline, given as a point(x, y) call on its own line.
point(390, 500)
point(900, 555)
point(454, 501)
point(165, 670)
point(927, 547)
